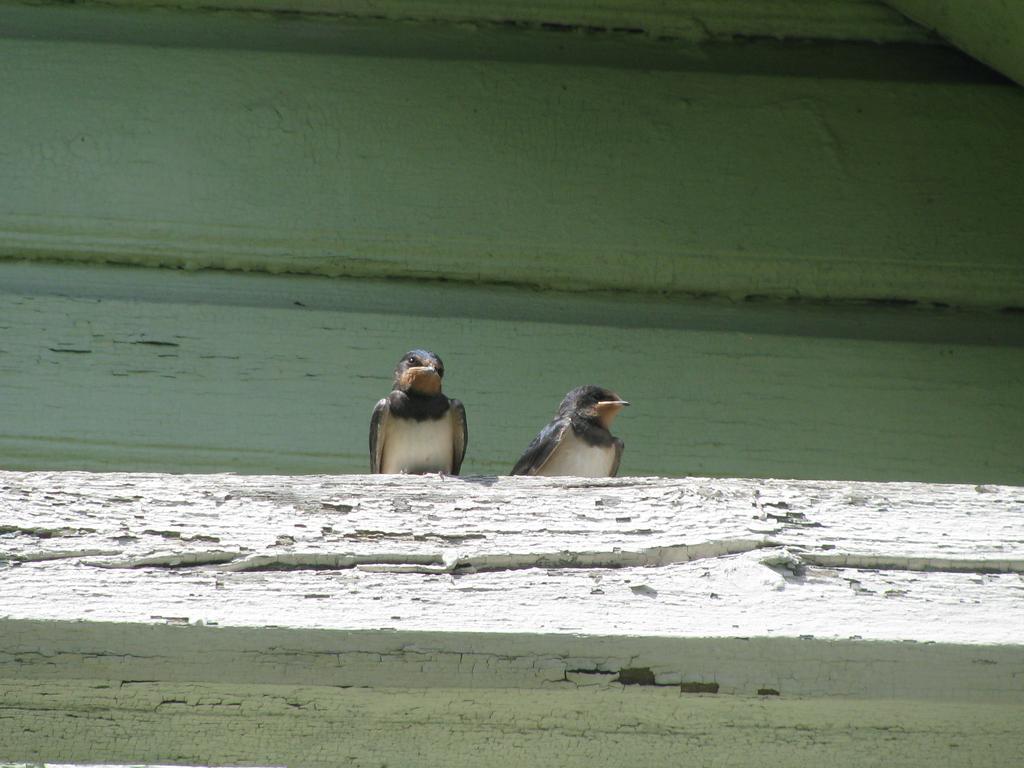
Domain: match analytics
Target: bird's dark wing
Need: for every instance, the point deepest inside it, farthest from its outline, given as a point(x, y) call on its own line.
point(461, 436)
point(378, 427)
point(539, 451)
point(619, 445)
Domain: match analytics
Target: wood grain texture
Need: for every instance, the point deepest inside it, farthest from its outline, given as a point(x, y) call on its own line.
point(458, 156)
point(133, 369)
point(224, 620)
point(687, 558)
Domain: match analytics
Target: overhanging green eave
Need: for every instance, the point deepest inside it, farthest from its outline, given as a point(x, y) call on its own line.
point(990, 30)
point(329, 138)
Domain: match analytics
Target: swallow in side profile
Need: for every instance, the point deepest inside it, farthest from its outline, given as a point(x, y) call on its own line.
point(577, 441)
point(416, 429)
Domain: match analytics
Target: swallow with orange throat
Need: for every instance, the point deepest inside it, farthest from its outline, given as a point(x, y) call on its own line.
point(416, 428)
point(577, 441)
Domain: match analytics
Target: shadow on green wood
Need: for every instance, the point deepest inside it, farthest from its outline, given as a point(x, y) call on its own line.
point(135, 369)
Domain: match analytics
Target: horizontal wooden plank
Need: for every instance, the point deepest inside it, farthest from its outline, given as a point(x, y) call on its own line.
point(692, 20)
point(39, 652)
point(690, 558)
point(150, 370)
point(292, 725)
point(582, 164)
point(381, 619)
point(466, 524)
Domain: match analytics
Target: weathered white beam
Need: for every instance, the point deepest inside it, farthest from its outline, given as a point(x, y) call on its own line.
point(991, 30)
point(645, 556)
point(107, 368)
point(505, 155)
point(302, 621)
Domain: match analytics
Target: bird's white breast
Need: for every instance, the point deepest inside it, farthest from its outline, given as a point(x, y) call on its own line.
point(418, 446)
point(574, 456)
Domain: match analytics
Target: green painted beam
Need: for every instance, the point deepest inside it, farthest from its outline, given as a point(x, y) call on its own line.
point(106, 368)
point(563, 726)
point(93, 692)
point(991, 30)
point(692, 20)
point(507, 156)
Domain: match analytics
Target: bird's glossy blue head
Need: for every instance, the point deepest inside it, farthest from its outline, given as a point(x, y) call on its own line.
point(419, 371)
point(593, 403)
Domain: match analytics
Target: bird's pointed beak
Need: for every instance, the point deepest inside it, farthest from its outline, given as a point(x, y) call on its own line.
point(608, 409)
point(423, 370)
point(424, 378)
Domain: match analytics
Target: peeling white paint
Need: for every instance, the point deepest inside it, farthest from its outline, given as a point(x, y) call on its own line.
point(638, 556)
point(535, 621)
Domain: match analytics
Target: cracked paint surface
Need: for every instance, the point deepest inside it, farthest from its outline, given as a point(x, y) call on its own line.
point(542, 621)
point(643, 556)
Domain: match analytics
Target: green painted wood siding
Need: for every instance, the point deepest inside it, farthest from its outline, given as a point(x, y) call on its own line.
point(617, 172)
point(483, 154)
point(137, 369)
point(686, 20)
